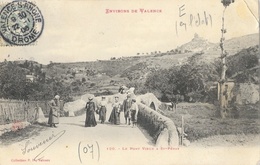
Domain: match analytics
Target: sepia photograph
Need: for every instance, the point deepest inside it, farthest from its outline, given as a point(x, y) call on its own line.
point(120, 82)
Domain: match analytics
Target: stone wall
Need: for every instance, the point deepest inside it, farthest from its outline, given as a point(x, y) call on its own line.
point(246, 93)
point(150, 100)
point(160, 128)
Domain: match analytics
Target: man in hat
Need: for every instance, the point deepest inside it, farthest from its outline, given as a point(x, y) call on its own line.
point(90, 113)
point(126, 107)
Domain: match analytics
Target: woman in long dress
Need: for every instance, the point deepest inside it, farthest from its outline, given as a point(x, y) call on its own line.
point(90, 113)
point(102, 109)
point(115, 114)
point(54, 111)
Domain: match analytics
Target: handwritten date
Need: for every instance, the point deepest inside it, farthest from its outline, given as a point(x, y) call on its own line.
point(192, 20)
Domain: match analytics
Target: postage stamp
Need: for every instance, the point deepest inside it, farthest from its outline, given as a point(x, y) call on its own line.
point(21, 23)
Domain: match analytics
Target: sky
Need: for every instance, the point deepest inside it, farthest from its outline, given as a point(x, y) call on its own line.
point(77, 30)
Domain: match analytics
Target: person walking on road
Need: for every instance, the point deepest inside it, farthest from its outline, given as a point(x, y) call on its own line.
point(126, 107)
point(102, 109)
point(134, 112)
point(54, 111)
point(115, 114)
point(90, 113)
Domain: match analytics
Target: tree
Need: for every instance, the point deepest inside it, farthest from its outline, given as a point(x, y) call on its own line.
point(158, 81)
point(223, 56)
point(73, 74)
point(26, 64)
point(13, 85)
point(31, 67)
point(189, 80)
point(83, 80)
point(12, 81)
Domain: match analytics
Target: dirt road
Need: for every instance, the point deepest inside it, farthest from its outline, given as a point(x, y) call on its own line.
point(73, 142)
point(106, 144)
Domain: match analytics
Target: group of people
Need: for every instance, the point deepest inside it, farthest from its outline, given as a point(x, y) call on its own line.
point(129, 107)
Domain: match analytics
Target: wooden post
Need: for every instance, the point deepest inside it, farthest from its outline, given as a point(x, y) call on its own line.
point(182, 129)
point(223, 67)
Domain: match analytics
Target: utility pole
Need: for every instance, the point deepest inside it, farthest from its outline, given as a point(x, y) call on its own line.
point(223, 56)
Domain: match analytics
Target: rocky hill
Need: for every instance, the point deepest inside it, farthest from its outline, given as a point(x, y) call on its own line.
point(197, 44)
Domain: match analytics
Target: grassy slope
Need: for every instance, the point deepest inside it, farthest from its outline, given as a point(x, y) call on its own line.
point(202, 121)
point(117, 70)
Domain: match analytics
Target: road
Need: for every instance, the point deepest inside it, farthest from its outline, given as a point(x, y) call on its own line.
point(79, 144)
point(72, 143)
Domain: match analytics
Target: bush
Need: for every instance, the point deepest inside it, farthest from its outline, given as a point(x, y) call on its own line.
point(107, 92)
point(92, 84)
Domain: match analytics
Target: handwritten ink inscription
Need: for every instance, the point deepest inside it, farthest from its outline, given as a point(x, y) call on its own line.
point(191, 20)
point(88, 151)
point(41, 146)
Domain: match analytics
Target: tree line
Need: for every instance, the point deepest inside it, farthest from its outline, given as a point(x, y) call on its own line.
point(196, 80)
point(13, 83)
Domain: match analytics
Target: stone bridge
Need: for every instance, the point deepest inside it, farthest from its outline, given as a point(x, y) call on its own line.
point(160, 128)
point(109, 144)
point(154, 130)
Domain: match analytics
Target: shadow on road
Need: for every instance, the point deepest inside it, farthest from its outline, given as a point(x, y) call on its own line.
point(80, 125)
point(145, 133)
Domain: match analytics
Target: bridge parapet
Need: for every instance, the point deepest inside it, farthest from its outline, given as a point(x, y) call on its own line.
point(161, 128)
point(150, 100)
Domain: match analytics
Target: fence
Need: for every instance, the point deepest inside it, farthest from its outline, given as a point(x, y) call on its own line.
point(19, 110)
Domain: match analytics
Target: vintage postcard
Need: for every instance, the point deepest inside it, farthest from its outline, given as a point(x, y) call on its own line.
point(127, 82)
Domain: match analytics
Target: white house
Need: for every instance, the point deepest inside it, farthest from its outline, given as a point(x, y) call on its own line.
point(30, 78)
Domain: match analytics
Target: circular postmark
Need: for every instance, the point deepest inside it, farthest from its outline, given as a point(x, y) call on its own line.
point(21, 23)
